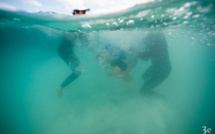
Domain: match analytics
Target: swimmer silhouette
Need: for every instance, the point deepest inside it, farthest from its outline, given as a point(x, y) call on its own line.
point(156, 50)
point(66, 52)
point(121, 61)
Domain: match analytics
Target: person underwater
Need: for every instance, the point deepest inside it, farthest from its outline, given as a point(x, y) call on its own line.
point(156, 50)
point(66, 51)
point(120, 60)
point(117, 62)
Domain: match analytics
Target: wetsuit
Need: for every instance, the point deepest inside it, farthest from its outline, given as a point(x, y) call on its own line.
point(66, 52)
point(156, 50)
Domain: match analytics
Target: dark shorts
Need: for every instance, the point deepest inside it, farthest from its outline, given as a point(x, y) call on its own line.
point(122, 65)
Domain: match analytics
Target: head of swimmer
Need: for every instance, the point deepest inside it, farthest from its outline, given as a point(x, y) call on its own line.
point(80, 12)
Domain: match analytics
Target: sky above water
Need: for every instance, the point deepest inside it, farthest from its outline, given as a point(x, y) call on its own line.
point(67, 6)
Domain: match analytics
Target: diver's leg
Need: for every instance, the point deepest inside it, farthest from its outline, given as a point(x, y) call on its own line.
point(149, 85)
point(153, 77)
point(148, 74)
point(70, 79)
point(73, 63)
point(157, 78)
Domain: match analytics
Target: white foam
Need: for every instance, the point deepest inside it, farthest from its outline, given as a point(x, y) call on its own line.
point(143, 13)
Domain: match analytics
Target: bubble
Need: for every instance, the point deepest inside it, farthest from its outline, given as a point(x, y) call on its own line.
point(165, 23)
point(186, 17)
point(174, 18)
point(189, 13)
point(171, 10)
point(181, 9)
point(16, 19)
point(86, 26)
point(130, 22)
point(204, 9)
point(114, 23)
point(120, 20)
point(193, 38)
point(152, 16)
point(195, 16)
point(209, 33)
point(143, 13)
point(188, 4)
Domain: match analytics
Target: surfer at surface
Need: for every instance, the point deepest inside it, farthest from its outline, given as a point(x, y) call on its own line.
point(80, 12)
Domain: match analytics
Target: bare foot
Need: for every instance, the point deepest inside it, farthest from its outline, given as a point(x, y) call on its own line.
point(59, 91)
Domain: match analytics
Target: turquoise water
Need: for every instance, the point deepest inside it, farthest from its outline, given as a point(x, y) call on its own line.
point(97, 103)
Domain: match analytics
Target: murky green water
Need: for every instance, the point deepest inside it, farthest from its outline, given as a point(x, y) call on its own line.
point(97, 103)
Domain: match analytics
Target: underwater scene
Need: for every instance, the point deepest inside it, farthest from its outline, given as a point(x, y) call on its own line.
point(149, 69)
